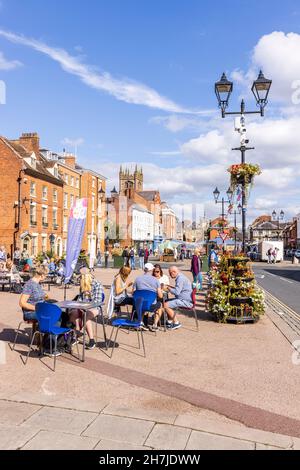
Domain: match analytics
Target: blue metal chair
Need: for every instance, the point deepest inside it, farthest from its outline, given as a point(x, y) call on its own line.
point(100, 317)
point(48, 315)
point(31, 323)
point(142, 300)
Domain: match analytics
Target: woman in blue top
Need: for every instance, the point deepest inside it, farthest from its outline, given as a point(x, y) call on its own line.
point(33, 293)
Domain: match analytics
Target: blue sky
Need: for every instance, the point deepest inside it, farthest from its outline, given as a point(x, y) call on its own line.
point(175, 48)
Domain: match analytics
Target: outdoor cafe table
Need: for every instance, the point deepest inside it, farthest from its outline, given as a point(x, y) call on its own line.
point(84, 307)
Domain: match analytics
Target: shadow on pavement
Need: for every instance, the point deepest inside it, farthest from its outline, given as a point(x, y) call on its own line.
point(293, 275)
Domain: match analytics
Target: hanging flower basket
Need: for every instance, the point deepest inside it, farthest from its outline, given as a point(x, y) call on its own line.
point(243, 173)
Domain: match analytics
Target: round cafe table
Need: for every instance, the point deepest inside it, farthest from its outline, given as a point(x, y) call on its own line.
point(84, 307)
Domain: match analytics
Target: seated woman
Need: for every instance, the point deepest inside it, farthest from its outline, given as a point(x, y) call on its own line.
point(158, 273)
point(120, 287)
point(164, 282)
point(91, 290)
point(33, 293)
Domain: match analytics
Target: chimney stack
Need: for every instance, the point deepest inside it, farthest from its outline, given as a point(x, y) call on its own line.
point(70, 159)
point(31, 142)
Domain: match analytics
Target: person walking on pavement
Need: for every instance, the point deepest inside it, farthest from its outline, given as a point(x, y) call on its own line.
point(106, 256)
point(142, 258)
point(196, 268)
point(132, 258)
point(274, 255)
point(125, 256)
point(269, 255)
point(146, 258)
point(175, 254)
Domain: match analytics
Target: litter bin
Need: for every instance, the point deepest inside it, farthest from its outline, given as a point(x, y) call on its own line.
point(204, 263)
point(118, 261)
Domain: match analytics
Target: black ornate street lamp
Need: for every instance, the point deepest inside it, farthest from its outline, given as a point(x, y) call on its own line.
point(223, 201)
point(260, 89)
point(223, 90)
point(279, 218)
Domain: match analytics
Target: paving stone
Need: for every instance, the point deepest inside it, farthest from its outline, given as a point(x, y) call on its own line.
point(164, 436)
point(79, 405)
point(233, 430)
point(114, 428)
point(14, 437)
point(52, 440)
point(265, 447)
point(140, 413)
point(204, 441)
point(296, 443)
point(58, 419)
point(12, 413)
point(59, 402)
point(113, 445)
point(34, 398)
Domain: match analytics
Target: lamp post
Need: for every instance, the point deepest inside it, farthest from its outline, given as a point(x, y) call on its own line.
point(260, 89)
point(223, 201)
point(278, 218)
point(238, 211)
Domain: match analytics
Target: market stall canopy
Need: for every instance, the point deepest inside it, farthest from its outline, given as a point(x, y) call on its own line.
point(167, 245)
point(219, 241)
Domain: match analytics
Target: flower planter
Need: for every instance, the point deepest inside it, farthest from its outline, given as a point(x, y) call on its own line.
point(239, 272)
point(235, 261)
point(240, 301)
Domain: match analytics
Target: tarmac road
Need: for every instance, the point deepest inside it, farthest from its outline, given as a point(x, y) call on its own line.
point(282, 281)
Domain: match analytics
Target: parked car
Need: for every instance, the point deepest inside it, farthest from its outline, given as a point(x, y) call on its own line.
point(297, 253)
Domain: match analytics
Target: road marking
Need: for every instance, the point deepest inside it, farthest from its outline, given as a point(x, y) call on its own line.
point(270, 274)
point(286, 280)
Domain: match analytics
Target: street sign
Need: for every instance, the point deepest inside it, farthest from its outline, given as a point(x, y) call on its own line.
point(223, 236)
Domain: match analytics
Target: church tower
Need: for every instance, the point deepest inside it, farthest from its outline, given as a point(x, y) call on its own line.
point(129, 180)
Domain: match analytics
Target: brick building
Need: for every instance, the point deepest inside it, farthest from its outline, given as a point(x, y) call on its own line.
point(217, 226)
point(263, 228)
point(80, 182)
point(132, 197)
point(31, 197)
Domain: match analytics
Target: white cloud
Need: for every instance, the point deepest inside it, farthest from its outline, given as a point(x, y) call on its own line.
point(265, 204)
point(124, 89)
point(6, 64)
point(278, 55)
point(73, 142)
point(176, 123)
point(212, 146)
point(170, 153)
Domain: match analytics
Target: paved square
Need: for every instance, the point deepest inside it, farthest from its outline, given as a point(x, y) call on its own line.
point(16, 413)
point(57, 419)
point(114, 428)
point(204, 441)
point(164, 436)
point(50, 440)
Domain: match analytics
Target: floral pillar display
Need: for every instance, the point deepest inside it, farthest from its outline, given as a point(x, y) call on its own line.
point(243, 173)
point(233, 294)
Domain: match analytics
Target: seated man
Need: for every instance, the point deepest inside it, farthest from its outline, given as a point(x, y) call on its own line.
point(148, 282)
point(183, 296)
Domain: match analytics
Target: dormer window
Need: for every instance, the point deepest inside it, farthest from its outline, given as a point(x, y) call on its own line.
point(33, 161)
